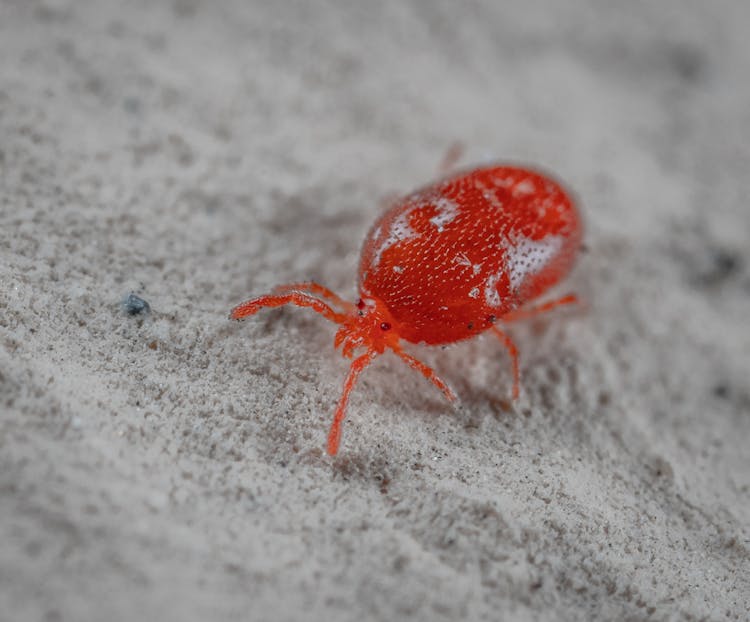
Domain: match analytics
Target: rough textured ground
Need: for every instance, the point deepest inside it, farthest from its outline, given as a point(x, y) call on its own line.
point(170, 467)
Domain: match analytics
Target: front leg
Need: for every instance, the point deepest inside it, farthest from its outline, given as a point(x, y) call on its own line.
point(252, 306)
point(315, 288)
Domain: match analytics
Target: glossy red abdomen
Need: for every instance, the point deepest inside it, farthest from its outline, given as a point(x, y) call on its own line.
point(450, 259)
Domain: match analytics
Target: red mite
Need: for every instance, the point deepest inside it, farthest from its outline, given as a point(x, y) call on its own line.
point(446, 263)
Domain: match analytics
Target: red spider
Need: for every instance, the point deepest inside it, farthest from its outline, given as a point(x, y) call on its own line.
point(446, 263)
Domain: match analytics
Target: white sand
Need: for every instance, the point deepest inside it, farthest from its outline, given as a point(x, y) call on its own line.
point(171, 467)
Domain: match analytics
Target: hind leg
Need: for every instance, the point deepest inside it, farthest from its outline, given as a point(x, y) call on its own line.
point(512, 349)
point(451, 157)
point(524, 314)
point(427, 372)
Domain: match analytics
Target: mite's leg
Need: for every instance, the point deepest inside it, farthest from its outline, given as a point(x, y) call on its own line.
point(314, 288)
point(427, 372)
point(358, 364)
point(450, 158)
point(524, 314)
point(387, 201)
point(251, 307)
point(513, 352)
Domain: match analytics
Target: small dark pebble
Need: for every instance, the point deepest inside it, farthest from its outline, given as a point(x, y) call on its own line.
point(135, 305)
point(688, 62)
point(721, 391)
point(725, 263)
point(719, 265)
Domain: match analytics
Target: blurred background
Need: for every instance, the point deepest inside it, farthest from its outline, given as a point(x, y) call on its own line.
point(168, 464)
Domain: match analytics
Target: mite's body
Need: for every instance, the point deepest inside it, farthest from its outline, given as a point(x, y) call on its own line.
point(446, 263)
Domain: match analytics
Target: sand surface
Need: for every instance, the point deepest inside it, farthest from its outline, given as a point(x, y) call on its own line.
point(170, 466)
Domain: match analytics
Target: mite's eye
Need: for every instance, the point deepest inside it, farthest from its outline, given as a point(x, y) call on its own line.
point(385, 326)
